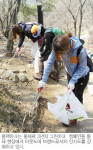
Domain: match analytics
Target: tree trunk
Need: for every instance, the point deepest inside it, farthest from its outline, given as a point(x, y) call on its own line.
point(82, 3)
point(9, 45)
point(7, 19)
point(13, 11)
point(80, 24)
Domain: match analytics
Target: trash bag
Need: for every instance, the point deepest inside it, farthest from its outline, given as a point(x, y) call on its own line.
point(67, 108)
point(34, 49)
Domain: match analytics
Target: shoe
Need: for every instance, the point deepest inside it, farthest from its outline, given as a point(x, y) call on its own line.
point(37, 77)
point(72, 122)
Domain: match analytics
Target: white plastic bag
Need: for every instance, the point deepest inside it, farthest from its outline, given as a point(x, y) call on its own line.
point(67, 108)
point(34, 49)
point(36, 63)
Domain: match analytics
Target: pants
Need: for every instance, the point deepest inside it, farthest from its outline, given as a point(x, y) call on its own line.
point(36, 63)
point(79, 86)
point(35, 53)
point(41, 61)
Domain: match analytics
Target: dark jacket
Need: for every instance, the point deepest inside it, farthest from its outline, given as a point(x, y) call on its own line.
point(46, 45)
point(26, 31)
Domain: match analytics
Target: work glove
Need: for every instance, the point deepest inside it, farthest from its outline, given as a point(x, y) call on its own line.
point(41, 85)
point(17, 49)
point(70, 87)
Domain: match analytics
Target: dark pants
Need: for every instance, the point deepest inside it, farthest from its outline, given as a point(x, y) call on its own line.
point(79, 86)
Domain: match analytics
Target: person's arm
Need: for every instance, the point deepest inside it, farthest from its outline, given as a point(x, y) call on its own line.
point(82, 58)
point(21, 40)
point(49, 64)
point(42, 45)
point(47, 70)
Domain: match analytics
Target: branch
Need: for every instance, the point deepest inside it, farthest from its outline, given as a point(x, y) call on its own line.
point(1, 22)
point(69, 10)
point(77, 12)
point(82, 4)
point(69, 4)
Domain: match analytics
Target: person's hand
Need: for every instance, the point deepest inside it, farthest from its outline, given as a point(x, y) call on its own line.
point(17, 49)
point(41, 85)
point(70, 87)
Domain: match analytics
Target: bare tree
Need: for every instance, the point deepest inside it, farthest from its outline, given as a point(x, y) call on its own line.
point(81, 15)
point(74, 16)
point(76, 11)
point(8, 17)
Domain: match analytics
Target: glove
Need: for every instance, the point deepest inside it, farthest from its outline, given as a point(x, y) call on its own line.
point(17, 49)
point(70, 87)
point(41, 85)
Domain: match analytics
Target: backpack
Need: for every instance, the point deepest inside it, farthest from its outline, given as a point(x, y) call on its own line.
point(55, 31)
point(23, 25)
point(89, 61)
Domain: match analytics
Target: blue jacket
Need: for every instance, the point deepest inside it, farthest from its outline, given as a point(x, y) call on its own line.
point(75, 66)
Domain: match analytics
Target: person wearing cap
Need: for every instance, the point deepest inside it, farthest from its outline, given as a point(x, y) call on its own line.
point(76, 66)
point(23, 30)
point(26, 30)
point(45, 50)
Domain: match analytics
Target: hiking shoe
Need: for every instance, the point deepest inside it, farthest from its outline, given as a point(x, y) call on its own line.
point(72, 122)
point(37, 77)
